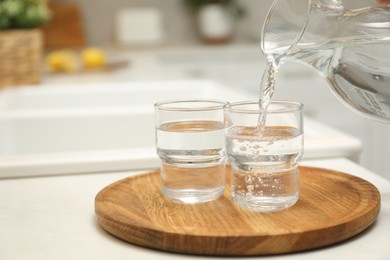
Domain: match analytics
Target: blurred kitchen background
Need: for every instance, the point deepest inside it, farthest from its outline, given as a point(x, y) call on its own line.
point(89, 43)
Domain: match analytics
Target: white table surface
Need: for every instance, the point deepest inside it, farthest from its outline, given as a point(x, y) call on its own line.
point(53, 218)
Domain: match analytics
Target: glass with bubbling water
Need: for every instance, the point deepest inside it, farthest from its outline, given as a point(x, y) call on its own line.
point(190, 140)
point(264, 157)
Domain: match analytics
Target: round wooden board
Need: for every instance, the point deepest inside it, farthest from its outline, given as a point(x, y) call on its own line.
point(332, 207)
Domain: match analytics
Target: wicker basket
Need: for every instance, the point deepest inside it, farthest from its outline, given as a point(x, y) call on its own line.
point(20, 57)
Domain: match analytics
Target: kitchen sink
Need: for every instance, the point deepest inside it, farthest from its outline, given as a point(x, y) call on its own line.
point(116, 96)
point(73, 129)
point(99, 128)
point(48, 143)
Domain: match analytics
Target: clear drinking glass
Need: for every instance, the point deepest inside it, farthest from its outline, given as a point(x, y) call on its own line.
point(190, 142)
point(264, 159)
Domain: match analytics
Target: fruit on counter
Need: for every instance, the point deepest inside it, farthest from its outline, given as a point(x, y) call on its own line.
point(62, 61)
point(72, 61)
point(93, 58)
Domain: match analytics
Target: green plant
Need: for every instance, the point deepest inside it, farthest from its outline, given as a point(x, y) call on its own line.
point(23, 13)
point(231, 6)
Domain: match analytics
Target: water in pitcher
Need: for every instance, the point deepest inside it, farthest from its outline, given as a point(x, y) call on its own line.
point(359, 73)
point(360, 80)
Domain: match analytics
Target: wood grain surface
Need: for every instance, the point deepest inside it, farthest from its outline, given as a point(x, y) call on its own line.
point(332, 207)
point(65, 29)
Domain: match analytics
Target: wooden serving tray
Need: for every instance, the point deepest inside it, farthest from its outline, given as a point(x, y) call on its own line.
point(332, 207)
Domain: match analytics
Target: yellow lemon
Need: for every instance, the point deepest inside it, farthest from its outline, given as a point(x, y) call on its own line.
point(62, 61)
point(93, 57)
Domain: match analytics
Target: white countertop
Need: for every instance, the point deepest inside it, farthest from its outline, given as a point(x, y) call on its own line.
point(53, 218)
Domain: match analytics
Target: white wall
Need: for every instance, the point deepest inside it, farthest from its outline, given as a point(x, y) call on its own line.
point(179, 22)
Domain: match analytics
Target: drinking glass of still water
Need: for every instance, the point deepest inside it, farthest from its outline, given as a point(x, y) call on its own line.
point(264, 157)
point(190, 140)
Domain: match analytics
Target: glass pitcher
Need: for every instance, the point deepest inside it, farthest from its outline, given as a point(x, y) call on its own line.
point(351, 48)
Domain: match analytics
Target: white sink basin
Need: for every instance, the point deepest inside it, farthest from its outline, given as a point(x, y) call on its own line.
point(111, 96)
point(45, 144)
point(76, 129)
point(73, 132)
